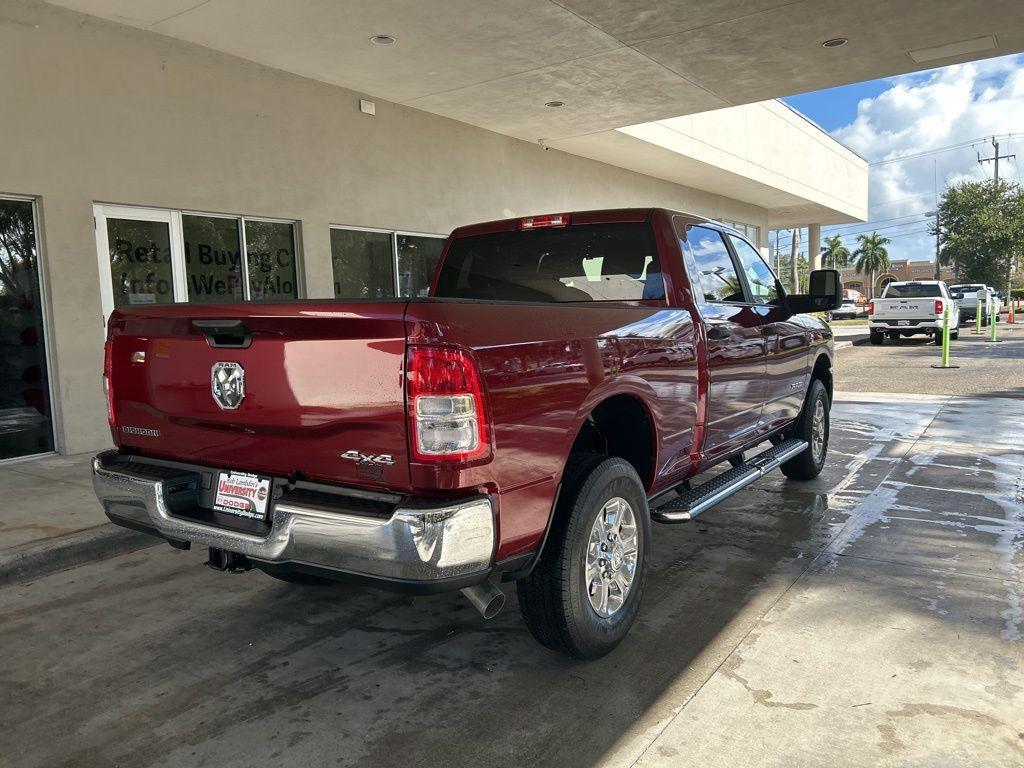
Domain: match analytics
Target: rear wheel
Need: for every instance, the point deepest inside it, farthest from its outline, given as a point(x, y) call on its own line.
point(877, 337)
point(955, 334)
point(584, 594)
point(813, 427)
point(938, 338)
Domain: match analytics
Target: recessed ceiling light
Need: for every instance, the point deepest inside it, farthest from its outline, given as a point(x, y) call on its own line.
point(555, 104)
point(382, 40)
point(835, 42)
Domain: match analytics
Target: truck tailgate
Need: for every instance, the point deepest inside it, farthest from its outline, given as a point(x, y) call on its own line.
point(321, 380)
point(904, 309)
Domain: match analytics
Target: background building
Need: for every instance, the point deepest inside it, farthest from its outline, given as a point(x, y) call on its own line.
point(899, 269)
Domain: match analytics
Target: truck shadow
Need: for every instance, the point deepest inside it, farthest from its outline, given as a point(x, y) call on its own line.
point(461, 691)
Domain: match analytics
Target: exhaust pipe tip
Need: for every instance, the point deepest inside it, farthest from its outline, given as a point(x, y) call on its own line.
point(217, 559)
point(486, 598)
point(224, 560)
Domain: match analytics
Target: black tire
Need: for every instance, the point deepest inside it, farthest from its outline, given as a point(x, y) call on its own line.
point(808, 464)
point(877, 337)
point(938, 338)
point(554, 599)
point(954, 335)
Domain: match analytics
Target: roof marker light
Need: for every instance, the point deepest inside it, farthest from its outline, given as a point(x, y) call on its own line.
point(549, 220)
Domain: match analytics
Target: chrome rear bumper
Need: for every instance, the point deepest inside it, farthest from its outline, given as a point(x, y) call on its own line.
point(415, 544)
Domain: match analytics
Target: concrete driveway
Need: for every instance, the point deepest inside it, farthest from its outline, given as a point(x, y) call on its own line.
point(872, 617)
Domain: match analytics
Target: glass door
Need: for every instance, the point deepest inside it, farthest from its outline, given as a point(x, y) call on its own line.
point(140, 256)
point(26, 419)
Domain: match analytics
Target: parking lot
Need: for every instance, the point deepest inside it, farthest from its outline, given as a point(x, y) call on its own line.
point(871, 617)
point(986, 369)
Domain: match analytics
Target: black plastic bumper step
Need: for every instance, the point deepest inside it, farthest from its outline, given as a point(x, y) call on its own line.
point(700, 498)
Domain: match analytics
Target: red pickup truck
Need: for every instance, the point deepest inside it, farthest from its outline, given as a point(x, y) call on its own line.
point(563, 386)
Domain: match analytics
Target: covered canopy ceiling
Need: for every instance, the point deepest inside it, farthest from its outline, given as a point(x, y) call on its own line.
point(497, 63)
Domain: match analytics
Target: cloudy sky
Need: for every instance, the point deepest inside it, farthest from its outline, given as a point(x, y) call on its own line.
point(930, 120)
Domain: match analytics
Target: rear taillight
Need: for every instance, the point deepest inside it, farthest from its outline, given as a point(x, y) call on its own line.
point(108, 387)
point(550, 220)
point(447, 411)
point(871, 307)
point(938, 306)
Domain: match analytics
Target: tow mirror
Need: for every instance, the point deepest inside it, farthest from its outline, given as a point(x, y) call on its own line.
point(825, 292)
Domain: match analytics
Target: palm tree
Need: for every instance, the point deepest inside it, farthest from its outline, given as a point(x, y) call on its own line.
point(833, 253)
point(871, 256)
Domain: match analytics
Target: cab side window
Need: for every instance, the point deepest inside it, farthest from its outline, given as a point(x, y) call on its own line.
point(763, 285)
point(716, 272)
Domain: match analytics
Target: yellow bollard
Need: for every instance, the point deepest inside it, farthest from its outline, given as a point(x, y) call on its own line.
point(945, 341)
point(993, 320)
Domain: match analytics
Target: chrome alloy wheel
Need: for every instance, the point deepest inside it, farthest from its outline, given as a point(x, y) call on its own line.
point(612, 552)
point(818, 430)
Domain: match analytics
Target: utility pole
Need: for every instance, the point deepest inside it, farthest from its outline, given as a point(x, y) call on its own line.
point(935, 215)
point(935, 182)
point(794, 261)
point(996, 157)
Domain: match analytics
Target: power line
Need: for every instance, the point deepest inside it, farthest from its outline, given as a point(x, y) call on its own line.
point(902, 199)
point(939, 150)
point(787, 253)
point(909, 234)
point(837, 228)
point(890, 227)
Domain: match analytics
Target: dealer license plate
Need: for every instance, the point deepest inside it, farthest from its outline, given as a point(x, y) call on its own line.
point(242, 494)
point(902, 322)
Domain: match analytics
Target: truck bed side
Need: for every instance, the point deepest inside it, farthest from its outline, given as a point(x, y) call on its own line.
point(546, 367)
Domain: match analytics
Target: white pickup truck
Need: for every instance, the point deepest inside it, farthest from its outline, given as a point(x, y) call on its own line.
point(973, 296)
point(913, 307)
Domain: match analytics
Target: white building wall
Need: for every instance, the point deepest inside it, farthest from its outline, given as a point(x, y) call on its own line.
point(97, 112)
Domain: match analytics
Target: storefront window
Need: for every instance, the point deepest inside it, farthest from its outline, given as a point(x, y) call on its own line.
point(140, 262)
point(749, 231)
point(270, 250)
point(26, 423)
point(159, 256)
point(213, 259)
point(417, 258)
point(363, 264)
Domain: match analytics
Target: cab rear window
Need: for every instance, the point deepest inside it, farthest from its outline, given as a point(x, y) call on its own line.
point(912, 291)
point(593, 262)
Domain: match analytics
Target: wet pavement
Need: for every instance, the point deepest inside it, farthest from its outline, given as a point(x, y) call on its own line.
point(871, 617)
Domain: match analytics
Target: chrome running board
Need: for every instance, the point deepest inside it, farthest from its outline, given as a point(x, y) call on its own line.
point(692, 501)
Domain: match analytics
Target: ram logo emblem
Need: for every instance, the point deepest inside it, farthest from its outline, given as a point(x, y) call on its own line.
point(227, 382)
